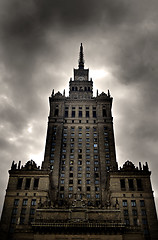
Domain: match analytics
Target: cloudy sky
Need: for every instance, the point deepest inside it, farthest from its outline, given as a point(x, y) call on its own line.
point(39, 46)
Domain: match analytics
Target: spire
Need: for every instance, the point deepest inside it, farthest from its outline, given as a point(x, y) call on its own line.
point(81, 60)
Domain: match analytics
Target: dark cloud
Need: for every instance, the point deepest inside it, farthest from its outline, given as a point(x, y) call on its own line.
point(39, 42)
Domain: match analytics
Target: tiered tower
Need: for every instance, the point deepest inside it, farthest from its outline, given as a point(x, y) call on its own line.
point(79, 192)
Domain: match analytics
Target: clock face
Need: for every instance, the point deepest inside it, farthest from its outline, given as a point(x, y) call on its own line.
point(81, 78)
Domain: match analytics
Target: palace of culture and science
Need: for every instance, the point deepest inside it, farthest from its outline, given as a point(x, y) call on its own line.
point(79, 193)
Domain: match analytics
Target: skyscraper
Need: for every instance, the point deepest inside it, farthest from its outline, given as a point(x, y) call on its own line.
point(79, 192)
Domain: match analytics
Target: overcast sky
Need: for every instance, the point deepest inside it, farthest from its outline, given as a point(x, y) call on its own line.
point(39, 47)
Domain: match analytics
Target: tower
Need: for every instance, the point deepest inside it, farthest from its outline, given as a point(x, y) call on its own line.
point(79, 192)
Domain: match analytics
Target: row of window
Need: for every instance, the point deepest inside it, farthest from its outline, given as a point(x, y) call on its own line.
point(23, 211)
point(133, 203)
point(70, 195)
point(27, 183)
point(134, 212)
point(25, 202)
point(136, 222)
point(129, 184)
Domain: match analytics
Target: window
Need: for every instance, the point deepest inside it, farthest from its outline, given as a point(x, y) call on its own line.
point(144, 221)
point(104, 112)
point(13, 220)
point(95, 145)
point(139, 184)
point(66, 113)
point(87, 156)
point(97, 189)
point(70, 195)
point(72, 145)
point(70, 181)
point(122, 184)
point(62, 168)
point(79, 175)
point(88, 181)
point(97, 195)
point(23, 211)
point(96, 175)
point(79, 181)
point(80, 129)
point(72, 156)
point(127, 221)
point(56, 111)
point(95, 156)
point(62, 195)
point(22, 220)
point(62, 174)
point(143, 212)
point(71, 168)
point(80, 145)
point(16, 202)
point(79, 162)
point(96, 169)
point(36, 182)
point(71, 175)
point(79, 168)
point(80, 150)
point(130, 184)
point(88, 174)
point(80, 114)
point(125, 212)
point(96, 181)
point(87, 168)
point(25, 202)
point(62, 188)
point(87, 140)
point(87, 114)
point(88, 188)
point(70, 188)
point(14, 212)
point(72, 150)
point(51, 161)
point(87, 162)
point(88, 195)
point(72, 139)
point(134, 212)
point(72, 129)
point(95, 139)
point(124, 203)
point(73, 114)
point(62, 181)
point(80, 156)
point(142, 203)
point(133, 203)
point(32, 211)
point(80, 134)
point(27, 184)
point(63, 162)
point(87, 145)
point(33, 202)
point(135, 221)
point(80, 139)
point(19, 184)
point(94, 114)
point(95, 150)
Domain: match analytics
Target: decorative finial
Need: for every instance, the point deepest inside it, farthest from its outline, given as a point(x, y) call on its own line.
point(81, 60)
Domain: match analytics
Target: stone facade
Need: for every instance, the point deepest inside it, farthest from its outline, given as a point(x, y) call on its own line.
point(79, 192)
